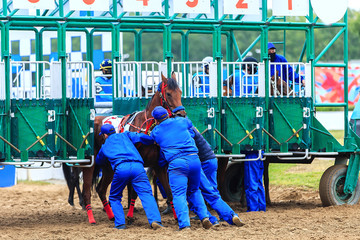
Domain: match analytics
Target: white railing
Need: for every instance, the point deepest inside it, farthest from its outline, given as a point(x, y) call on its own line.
point(30, 79)
point(137, 79)
point(79, 76)
point(290, 79)
point(196, 79)
point(242, 79)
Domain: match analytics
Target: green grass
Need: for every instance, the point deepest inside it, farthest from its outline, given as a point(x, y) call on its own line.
point(34, 182)
point(282, 174)
point(308, 176)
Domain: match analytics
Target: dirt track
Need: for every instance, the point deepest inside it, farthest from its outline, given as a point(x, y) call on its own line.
point(42, 212)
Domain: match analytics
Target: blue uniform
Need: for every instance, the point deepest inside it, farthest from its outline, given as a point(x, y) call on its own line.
point(208, 182)
point(128, 166)
point(103, 85)
point(286, 71)
point(254, 189)
point(179, 150)
point(245, 83)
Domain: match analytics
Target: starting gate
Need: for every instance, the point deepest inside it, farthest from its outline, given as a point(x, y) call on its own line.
point(47, 108)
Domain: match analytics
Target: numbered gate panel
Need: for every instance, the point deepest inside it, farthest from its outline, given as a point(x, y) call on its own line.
point(32, 120)
point(289, 123)
point(80, 125)
point(242, 123)
point(201, 111)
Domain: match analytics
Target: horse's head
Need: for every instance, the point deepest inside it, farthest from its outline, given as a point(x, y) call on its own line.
point(170, 94)
point(227, 86)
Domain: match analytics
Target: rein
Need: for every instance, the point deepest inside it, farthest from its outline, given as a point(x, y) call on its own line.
point(163, 101)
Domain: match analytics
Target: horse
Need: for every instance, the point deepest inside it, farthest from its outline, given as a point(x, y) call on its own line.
point(168, 96)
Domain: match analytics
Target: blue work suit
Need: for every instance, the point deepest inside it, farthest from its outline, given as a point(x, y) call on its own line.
point(285, 71)
point(179, 150)
point(208, 181)
point(244, 85)
point(253, 179)
point(128, 166)
point(103, 85)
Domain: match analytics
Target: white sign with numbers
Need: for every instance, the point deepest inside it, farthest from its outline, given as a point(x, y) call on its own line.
point(290, 7)
point(241, 7)
point(142, 5)
point(34, 4)
point(191, 6)
point(89, 5)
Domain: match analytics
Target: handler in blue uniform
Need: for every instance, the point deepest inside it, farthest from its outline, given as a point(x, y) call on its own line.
point(179, 150)
point(253, 181)
point(208, 183)
point(128, 166)
point(103, 84)
point(286, 71)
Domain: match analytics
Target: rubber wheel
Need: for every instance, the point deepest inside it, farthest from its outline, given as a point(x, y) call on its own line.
point(232, 188)
point(331, 187)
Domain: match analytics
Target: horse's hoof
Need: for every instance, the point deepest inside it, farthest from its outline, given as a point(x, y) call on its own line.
point(168, 210)
point(130, 220)
point(112, 219)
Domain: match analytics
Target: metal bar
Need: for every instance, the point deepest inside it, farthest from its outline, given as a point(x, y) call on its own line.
point(84, 140)
point(330, 44)
point(294, 134)
point(223, 137)
point(247, 135)
point(37, 141)
point(271, 136)
point(66, 141)
point(9, 143)
point(78, 123)
point(204, 131)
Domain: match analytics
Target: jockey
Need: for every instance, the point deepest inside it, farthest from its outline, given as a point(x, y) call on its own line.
point(103, 84)
point(128, 166)
point(208, 183)
point(200, 86)
point(179, 149)
point(246, 80)
point(285, 71)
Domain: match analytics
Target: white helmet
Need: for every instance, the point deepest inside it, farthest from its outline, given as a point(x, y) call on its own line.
point(208, 59)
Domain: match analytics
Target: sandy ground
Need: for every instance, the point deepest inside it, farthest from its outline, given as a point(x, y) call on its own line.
point(42, 212)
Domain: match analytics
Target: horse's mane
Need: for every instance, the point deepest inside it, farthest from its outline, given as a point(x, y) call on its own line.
point(149, 102)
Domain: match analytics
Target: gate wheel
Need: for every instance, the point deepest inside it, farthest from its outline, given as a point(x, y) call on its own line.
point(331, 187)
point(233, 188)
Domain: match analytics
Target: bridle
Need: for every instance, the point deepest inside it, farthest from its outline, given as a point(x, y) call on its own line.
point(164, 103)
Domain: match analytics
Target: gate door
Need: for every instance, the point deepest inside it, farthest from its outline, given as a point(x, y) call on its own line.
point(242, 106)
point(198, 81)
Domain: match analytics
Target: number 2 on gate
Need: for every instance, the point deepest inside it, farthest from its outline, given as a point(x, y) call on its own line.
point(241, 4)
point(192, 3)
point(145, 2)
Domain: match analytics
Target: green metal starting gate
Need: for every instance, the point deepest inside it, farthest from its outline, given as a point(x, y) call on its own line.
point(52, 118)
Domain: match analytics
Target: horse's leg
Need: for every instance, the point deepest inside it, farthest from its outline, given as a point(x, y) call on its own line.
point(88, 176)
point(266, 182)
point(161, 174)
point(101, 189)
point(76, 172)
point(69, 182)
